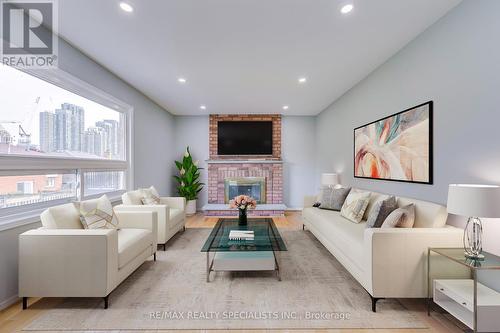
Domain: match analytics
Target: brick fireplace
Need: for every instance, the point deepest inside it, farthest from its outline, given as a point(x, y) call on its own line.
point(222, 170)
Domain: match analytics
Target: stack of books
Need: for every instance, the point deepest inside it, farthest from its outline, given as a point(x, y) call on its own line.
point(241, 235)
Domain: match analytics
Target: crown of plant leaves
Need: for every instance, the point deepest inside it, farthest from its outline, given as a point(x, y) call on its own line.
point(188, 181)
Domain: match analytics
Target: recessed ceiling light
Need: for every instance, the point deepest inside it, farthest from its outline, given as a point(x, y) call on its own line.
point(181, 80)
point(126, 7)
point(302, 80)
point(347, 8)
point(203, 107)
point(285, 107)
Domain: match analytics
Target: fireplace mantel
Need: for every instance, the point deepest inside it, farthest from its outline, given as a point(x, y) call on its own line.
point(253, 161)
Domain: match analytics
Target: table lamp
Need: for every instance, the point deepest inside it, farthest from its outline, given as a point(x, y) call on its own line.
point(474, 202)
point(329, 179)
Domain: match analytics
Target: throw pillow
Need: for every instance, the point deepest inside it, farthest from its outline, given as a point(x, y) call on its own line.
point(150, 196)
point(97, 214)
point(381, 209)
point(403, 217)
point(324, 194)
point(150, 200)
point(336, 199)
point(355, 205)
point(154, 191)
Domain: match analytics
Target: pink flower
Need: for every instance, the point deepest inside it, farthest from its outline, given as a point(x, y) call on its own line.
point(243, 202)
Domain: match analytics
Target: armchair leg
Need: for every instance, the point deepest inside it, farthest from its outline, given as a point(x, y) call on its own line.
point(154, 257)
point(374, 303)
point(303, 227)
point(183, 228)
point(106, 301)
point(165, 246)
point(25, 303)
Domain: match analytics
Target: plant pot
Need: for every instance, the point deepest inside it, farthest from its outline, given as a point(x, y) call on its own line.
point(242, 217)
point(191, 207)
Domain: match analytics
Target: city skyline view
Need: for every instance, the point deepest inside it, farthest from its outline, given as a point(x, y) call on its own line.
point(29, 108)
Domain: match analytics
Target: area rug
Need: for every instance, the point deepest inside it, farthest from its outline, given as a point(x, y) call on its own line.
point(172, 293)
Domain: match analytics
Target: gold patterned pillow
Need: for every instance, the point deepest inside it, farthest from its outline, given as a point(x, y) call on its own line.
point(150, 196)
point(97, 214)
point(355, 205)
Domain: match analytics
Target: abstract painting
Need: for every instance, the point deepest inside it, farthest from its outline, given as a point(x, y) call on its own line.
point(397, 147)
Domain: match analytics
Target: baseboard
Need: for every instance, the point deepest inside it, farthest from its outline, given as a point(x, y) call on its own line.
point(8, 302)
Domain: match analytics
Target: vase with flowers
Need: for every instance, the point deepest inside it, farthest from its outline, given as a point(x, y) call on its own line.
point(243, 202)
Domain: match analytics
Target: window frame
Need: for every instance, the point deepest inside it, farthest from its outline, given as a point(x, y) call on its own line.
point(15, 165)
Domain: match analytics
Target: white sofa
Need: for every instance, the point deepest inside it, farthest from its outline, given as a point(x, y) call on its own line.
point(63, 260)
point(389, 262)
point(171, 213)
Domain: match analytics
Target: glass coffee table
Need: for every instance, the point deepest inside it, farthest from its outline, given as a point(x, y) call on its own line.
point(259, 254)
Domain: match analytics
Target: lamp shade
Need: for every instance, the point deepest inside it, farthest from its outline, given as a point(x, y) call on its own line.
point(329, 179)
point(474, 200)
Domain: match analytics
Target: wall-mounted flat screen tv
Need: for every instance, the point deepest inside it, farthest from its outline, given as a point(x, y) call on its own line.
point(245, 138)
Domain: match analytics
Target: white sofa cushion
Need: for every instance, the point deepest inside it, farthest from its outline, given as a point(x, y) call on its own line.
point(346, 236)
point(61, 217)
point(131, 243)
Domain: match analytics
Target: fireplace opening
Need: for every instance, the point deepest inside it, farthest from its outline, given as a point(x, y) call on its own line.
point(254, 187)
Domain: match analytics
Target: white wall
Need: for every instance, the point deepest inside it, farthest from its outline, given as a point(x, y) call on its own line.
point(192, 131)
point(297, 152)
point(153, 150)
point(456, 64)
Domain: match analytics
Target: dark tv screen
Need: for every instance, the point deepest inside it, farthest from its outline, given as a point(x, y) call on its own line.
point(245, 138)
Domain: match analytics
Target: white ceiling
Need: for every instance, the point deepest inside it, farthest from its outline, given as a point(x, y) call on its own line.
point(244, 56)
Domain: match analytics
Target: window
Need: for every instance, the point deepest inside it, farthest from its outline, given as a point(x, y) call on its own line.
point(60, 140)
point(29, 190)
point(38, 118)
point(98, 182)
point(51, 181)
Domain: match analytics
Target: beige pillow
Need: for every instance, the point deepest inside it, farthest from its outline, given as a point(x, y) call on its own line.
point(150, 196)
point(403, 217)
point(97, 214)
point(355, 205)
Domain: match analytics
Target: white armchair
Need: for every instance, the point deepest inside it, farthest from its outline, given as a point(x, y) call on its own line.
point(63, 260)
point(171, 213)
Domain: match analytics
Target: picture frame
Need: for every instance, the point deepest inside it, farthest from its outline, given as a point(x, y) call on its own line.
point(398, 147)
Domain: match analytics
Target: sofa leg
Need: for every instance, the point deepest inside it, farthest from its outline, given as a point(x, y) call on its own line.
point(165, 246)
point(183, 228)
point(303, 227)
point(106, 301)
point(374, 303)
point(154, 257)
point(25, 303)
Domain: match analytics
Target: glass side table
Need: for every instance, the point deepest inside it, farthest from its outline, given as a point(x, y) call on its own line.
point(460, 297)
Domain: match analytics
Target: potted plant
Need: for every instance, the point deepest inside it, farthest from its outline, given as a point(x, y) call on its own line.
point(189, 184)
point(242, 202)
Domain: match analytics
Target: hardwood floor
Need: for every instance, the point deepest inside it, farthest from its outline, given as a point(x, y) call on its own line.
point(13, 319)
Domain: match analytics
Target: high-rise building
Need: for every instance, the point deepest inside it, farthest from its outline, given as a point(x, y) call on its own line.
point(112, 130)
point(95, 141)
point(5, 136)
point(47, 132)
point(70, 127)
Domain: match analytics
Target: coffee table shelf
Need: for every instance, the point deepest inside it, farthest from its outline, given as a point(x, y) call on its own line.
point(259, 254)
